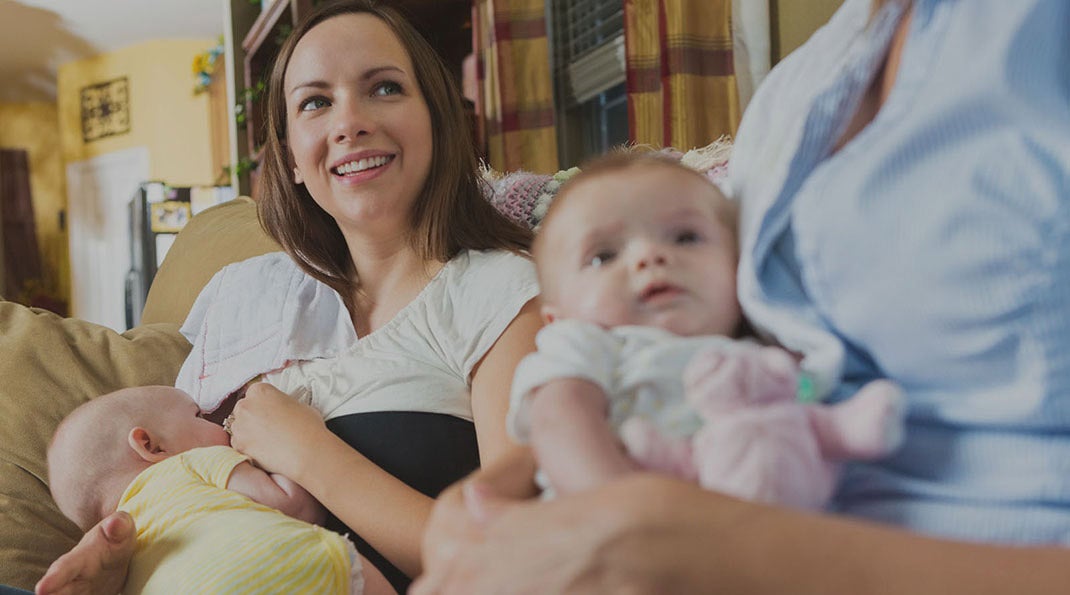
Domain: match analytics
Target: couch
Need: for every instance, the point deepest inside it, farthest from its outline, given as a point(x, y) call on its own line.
point(49, 365)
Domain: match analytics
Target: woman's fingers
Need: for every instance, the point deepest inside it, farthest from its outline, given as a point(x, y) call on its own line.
point(98, 564)
point(272, 428)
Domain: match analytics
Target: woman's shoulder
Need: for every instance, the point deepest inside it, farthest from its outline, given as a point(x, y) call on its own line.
point(480, 271)
point(491, 261)
point(478, 283)
point(272, 261)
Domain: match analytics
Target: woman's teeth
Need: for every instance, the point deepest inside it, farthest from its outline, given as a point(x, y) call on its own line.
point(362, 165)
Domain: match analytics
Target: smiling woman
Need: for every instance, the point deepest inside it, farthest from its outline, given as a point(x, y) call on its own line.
point(370, 185)
point(449, 213)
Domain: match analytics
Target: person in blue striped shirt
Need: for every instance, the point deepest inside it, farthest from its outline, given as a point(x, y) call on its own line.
point(904, 182)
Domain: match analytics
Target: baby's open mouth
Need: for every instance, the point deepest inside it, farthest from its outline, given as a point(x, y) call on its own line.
point(355, 167)
point(656, 290)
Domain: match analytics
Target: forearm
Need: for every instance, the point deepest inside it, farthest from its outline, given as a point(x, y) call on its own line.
point(693, 540)
point(276, 491)
point(380, 508)
point(573, 442)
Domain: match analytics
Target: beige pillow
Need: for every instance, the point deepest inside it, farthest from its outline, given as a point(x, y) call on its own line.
point(50, 365)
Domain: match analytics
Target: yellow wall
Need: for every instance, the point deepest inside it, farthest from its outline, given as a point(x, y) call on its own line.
point(795, 20)
point(34, 128)
point(165, 116)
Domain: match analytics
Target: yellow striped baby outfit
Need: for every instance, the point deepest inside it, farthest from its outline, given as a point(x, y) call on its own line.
point(195, 536)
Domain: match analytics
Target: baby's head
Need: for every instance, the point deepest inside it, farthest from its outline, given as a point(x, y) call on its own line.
point(639, 239)
point(99, 448)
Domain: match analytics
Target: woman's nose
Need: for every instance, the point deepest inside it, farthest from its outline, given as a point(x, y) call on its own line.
point(352, 120)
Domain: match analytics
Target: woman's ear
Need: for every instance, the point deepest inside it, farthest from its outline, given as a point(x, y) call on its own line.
point(297, 176)
point(145, 445)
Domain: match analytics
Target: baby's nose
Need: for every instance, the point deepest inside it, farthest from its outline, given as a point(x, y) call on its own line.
point(650, 254)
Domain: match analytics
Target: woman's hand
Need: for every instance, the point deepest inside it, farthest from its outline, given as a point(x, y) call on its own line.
point(595, 541)
point(461, 513)
point(275, 430)
point(98, 564)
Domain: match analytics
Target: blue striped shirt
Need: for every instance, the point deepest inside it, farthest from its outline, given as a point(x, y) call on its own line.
point(932, 249)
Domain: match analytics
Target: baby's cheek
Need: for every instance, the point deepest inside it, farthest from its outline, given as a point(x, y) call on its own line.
point(609, 310)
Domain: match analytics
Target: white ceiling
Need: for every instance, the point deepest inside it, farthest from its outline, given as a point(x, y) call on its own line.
point(37, 36)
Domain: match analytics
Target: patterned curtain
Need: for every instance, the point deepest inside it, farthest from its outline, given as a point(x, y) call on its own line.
point(516, 98)
point(681, 80)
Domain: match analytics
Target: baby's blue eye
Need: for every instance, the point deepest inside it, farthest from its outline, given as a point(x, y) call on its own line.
point(601, 258)
point(313, 103)
point(387, 88)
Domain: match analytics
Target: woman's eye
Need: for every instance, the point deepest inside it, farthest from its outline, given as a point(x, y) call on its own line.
point(313, 103)
point(387, 88)
point(687, 237)
point(601, 258)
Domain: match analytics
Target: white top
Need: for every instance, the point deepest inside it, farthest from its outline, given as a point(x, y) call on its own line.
point(422, 359)
point(640, 369)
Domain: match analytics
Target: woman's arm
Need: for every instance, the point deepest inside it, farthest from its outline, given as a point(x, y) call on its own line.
point(453, 525)
point(290, 438)
point(492, 378)
point(653, 535)
point(571, 437)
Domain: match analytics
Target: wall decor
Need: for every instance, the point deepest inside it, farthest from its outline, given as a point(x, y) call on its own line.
point(105, 109)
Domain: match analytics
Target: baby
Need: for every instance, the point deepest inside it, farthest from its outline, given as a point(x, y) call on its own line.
point(637, 263)
point(208, 520)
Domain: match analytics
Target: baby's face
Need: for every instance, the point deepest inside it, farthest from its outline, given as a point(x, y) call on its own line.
point(642, 246)
point(178, 425)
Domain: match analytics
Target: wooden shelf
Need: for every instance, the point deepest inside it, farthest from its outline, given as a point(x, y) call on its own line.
point(266, 21)
point(260, 45)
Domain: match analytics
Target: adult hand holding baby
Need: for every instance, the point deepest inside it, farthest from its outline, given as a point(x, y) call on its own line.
point(97, 564)
point(629, 530)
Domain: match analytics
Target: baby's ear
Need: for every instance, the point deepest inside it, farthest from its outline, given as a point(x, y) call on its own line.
point(145, 445)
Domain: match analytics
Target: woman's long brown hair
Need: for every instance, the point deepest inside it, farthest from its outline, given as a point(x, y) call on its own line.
point(449, 215)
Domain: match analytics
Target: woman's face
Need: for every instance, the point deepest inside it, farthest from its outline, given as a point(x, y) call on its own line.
point(358, 127)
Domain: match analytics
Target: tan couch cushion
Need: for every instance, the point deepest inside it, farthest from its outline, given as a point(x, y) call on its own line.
point(50, 365)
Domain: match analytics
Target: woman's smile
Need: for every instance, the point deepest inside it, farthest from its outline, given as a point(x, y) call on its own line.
point(362, 167)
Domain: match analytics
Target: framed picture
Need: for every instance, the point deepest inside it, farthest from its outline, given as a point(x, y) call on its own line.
point(105, 109)
point(169, 216)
